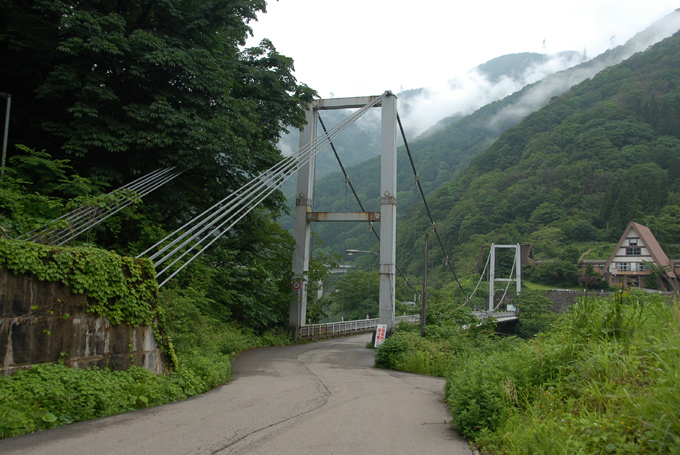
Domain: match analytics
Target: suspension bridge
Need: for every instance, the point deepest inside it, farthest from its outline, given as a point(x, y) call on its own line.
point(178, 249)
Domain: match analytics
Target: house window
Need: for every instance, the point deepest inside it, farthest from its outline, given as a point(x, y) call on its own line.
point(632, 242)
point(640, 267)
point(623, 266)
point(635, 251)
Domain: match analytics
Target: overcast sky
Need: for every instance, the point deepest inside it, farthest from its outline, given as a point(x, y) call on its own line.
point(364, 47)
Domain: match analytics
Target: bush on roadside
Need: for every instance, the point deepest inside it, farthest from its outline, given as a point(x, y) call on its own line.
point(605, 380)
point(50, 395)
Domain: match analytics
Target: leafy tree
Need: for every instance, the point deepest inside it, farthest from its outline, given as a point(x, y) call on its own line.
point(535, 313)
point(36, 189)
point(319, 273)
point(127, 87)
point(555, 272)
point(356, 296)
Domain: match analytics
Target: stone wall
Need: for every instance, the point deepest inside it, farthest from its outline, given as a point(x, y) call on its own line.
point(43, 322)
point(563, 298)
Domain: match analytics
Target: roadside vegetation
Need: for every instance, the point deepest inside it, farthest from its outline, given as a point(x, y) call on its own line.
point(205, 342)
point(601, 378)
point(108, 93)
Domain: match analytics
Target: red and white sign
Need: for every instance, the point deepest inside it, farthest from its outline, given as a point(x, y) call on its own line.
point(380, 334)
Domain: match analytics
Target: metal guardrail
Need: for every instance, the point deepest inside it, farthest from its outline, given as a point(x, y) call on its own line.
point(367, 325)
point(499, 316)
point(345, 327)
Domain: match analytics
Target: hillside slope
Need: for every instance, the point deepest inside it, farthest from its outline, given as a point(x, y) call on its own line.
point(603, 154)
point(442, 154)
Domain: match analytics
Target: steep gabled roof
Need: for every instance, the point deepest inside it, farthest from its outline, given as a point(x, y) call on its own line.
point(651, 244)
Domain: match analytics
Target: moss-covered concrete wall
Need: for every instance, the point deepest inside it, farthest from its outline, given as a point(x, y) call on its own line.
point(44, 322)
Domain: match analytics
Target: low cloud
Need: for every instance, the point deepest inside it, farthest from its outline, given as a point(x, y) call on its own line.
point(470, 91)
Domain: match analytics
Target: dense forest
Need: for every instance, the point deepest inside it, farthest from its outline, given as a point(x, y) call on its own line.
point(106, 92)
point(601, 155)
point(567, 178)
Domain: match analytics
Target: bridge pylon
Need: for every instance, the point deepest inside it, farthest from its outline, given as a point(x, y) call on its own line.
point(304, 214)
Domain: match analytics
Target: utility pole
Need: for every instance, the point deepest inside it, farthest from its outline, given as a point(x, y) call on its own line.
point(7, 96)
point(423, 305)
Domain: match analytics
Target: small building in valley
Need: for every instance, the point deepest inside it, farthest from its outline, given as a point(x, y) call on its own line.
point(639, 261)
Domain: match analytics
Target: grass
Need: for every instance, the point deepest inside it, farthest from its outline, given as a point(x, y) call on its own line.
point(605, 379)
point(46, 396)
point(546, 287)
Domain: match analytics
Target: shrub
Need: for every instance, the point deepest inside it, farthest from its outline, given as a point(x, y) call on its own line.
point(390, 352)
point(605, 380)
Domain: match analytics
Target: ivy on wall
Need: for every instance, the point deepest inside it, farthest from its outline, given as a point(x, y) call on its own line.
point(122, 289)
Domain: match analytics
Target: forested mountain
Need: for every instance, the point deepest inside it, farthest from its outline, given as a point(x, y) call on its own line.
point(420, 108)
point(440, 156)
point(603, 154)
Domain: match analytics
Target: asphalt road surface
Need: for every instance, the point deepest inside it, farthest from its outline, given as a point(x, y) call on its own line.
point(317, 398)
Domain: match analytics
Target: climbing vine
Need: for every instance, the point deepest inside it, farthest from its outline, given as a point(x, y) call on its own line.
point(122, 289)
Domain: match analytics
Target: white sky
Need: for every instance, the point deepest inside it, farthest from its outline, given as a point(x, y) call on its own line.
point(364, 47)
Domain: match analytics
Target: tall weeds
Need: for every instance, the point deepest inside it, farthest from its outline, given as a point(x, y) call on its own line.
point(605, 380)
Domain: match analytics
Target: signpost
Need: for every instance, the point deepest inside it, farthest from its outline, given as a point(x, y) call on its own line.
point(380, 334)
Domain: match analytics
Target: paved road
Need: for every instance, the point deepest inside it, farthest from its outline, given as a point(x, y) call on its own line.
point(314, 398)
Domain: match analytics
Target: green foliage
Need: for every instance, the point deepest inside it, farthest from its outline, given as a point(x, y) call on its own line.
point(555, 272)
point(46, 396)
point(248, 276)
point(35, 190)
point(356, 295)
point(389, 353)
point(122, 289)
point(407, 351)
point(481, 389)
point(603, 381)
point(535, 315)
point(124, 89)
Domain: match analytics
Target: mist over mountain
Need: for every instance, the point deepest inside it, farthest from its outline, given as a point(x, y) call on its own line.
point(571, 176)
point(443, 152)
point(428, 109)
point(422, 108)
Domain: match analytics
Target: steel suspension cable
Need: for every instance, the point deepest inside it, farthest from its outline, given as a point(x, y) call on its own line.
point(244, 200)
point(361, 206)
point(113, 209)
point(481, 277)
point(283, 169)
point(84, 218)
point(429, 214)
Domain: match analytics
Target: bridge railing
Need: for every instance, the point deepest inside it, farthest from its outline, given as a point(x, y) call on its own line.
point(345, 327)
point(500, 316)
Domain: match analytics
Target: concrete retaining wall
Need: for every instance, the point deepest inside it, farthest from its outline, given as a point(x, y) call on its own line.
point(563, 298)
point(43, 322)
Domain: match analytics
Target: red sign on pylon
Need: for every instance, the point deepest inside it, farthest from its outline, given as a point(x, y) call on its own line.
point(380, 334)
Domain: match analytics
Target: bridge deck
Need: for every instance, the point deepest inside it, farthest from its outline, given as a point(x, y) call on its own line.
point(368, 325)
